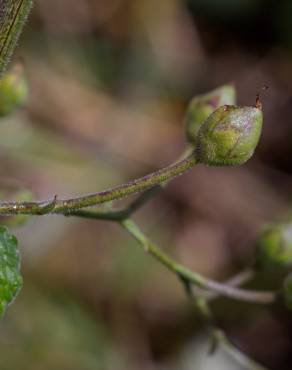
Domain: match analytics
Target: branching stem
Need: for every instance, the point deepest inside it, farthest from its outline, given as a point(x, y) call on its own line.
point(13, 14)
point(193, 277)
point(69, 206)
point(219, 338)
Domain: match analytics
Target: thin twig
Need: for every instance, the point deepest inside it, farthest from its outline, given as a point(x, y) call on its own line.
point(193, 277)
point(235, 281)
point(219, 338)
point(247, 362)
point(66, 206)
point(122, 214)
point(117, 214)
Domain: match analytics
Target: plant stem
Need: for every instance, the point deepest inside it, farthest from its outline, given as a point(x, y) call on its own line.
point(13, 14)
point(234, 352)
point(120, 215)
point(67, 206)
point(218, 336)
point(117, 214)
point(193, 277)
point(235, 281)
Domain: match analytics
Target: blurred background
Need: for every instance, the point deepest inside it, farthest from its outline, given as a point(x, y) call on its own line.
point(110, 81)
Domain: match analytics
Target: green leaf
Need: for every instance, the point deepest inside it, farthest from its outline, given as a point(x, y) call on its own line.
point(13, 14)
point(10, 278)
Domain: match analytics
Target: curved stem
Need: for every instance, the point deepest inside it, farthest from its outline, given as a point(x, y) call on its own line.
point(121, 214)
point(117, 214)
point(193, 277)
point(66, 206)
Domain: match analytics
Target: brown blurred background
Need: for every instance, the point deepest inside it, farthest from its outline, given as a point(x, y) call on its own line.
point(110, 81)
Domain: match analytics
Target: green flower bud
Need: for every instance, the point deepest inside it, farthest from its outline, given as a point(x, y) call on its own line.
point(287, 291)
point(230, 135)
point(274, 247)
point(202, 106)
point(13, 90)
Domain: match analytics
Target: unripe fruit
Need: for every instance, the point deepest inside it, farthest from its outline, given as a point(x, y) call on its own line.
point(230, 135)
point(13, 90)
point(287, 291)
point(202, 106)
point(274, 247)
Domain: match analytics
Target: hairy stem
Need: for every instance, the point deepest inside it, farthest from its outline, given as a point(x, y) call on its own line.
point(121, 214)
point(13, 14)
point(117, 214)
point(193, 277)
point(67, 206)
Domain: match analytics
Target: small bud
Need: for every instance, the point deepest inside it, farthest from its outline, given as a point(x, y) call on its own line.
point(274, 247)
point(13, 90)
point(229, 136)
point(202, 106)
point(287, 291)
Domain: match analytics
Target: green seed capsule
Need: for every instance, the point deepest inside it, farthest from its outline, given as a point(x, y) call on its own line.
point(287, 291)
point(13, 91)
point(274, 247)
point(202, 106)
point(230, 135)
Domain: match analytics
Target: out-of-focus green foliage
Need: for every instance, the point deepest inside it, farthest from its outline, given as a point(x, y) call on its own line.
point(287, 291)
point(55, 332)
point(202, 106)
point(274, 246)
point(10, 278)
point(13, 90)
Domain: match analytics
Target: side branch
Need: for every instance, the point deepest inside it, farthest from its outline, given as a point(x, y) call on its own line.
point(219, 338)
point(193, 277)
point(117, 214)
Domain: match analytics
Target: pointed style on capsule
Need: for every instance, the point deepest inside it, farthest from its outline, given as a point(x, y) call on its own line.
point(230, 135)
